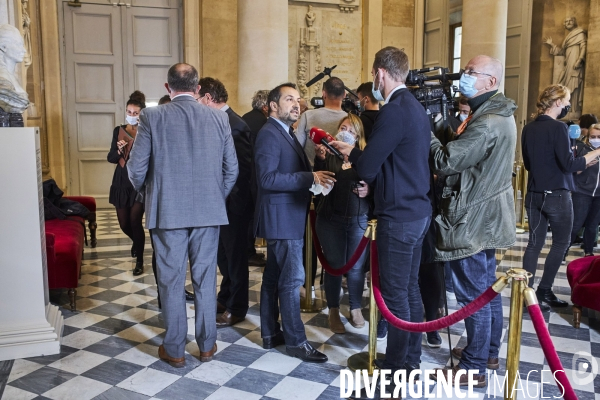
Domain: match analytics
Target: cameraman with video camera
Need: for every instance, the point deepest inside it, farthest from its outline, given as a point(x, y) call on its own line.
point(368, 107)
point(477, 212)
point(395, 164)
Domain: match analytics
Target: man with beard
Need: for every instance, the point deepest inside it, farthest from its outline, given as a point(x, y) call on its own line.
point(284, 178)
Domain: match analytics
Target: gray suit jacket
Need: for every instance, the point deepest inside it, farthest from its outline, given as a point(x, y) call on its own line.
point(184, 154)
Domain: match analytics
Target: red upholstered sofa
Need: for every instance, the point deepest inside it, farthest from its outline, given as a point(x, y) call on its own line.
point(584, 278)
point(64, 247)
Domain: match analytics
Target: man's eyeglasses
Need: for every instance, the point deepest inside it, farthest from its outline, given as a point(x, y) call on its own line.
point(471, 72)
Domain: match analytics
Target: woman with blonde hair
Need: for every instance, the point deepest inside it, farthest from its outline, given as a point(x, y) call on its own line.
point(548, 157)
point(341, 223)
point(586, 196)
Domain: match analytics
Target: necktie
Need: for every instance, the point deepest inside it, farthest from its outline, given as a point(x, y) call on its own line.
point(463, 126)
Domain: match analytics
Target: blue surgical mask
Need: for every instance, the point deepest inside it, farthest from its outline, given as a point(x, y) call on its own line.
point(131, 120)
point(462, 116)
point(574, 131)
point(377, 93)
point(467, 85)
point(346, 137)
point(595, 143)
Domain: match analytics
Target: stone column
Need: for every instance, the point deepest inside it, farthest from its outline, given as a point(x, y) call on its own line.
point(262, 47)
point(591, 89)
point(484, 30)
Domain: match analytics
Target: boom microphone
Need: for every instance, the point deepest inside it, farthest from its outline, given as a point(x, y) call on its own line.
point(319, 136)
point(315, 79)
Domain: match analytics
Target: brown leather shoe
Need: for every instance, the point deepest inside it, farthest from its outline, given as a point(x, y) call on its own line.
point(492, 363)
point(228, 319)
point(449, 373)
point(221, 308)
point(206, 356)
point(174, 362)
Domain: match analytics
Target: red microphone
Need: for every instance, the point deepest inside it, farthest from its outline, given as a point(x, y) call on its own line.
point(319, 136)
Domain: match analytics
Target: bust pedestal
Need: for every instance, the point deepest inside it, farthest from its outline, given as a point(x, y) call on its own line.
point(29, 325)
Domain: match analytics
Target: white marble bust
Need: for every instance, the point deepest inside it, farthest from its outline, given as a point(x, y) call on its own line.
point(13, 99)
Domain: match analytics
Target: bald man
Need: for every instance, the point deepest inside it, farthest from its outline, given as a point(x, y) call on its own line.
point(477, 212)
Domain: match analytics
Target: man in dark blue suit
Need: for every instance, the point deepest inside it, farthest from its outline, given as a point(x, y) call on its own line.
point(232, 300)
point(284, 179)
point(395, 163)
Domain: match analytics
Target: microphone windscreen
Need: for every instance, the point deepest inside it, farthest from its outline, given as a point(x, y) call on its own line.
point(317, 134)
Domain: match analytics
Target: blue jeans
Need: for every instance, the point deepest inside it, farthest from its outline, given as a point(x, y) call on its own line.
point(472, 276)
point(339, 237)
point(282, 278)
point(399, 247)
point(586, 213)
point(556, 209)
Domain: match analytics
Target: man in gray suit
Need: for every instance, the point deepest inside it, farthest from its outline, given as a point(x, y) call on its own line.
point(184, 154)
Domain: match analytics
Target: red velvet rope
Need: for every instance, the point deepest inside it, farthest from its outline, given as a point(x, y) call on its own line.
point(362, 245)
point(550, 352)
point(428, 326)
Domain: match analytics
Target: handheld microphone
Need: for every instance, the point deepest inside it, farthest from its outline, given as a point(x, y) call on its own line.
point(319, 136)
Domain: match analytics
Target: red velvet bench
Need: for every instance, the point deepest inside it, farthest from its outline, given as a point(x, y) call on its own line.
point(64, 248)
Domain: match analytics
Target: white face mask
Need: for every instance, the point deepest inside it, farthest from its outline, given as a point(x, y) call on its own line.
point(595, 143)
point(346, 137)
point(462, 116)
point(131, 120)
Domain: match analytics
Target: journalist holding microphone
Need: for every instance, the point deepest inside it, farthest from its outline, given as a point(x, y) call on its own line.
point(395, 164)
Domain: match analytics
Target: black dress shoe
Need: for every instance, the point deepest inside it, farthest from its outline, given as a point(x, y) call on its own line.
point(228, 319)
point(306, 352)
point(189, 296)
point(139, 268)
point(273, 341)
point(546, 296)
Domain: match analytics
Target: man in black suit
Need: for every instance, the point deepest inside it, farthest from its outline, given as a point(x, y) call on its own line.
point(232, 299)
point(284, 179)
point(369, 106)
point(255, 119)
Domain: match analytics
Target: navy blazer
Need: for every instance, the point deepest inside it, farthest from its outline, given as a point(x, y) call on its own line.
point(238, 201)
point(284, 178)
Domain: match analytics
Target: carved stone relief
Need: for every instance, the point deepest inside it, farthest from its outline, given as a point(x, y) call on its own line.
point(309, 54)
point(569, 63)
point(26, 33)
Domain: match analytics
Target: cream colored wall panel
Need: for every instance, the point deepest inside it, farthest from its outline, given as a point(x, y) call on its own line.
point(150, 79)
point(92, 26)
point(94, 83)
point(433, 10)
point(513, 51)
point(399, 37)
point(92, 130)
point(433, 42)
point(95, 177)
point(152, 36)
point(156, 3)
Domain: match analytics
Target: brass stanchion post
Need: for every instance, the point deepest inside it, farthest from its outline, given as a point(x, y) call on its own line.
point(366, 360)
point(519, 283)
point(309, 304)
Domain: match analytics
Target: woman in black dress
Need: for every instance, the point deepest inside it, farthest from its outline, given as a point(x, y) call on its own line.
point(127, 201)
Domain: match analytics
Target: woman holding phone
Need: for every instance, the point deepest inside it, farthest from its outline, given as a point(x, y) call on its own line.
point(127, 201)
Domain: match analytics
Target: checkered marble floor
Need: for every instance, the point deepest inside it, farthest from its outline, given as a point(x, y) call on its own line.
point(110, 344)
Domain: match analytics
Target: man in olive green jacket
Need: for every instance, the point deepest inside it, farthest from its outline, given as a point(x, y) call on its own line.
point(476, 211)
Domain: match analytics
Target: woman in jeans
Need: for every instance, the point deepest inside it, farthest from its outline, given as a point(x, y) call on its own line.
point(548, 157)
point(341, 223)
point(586, 197)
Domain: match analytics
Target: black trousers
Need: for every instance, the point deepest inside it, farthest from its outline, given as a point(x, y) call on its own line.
point(232, 259)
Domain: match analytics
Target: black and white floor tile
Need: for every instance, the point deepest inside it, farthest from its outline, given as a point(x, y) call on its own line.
point(110, 344)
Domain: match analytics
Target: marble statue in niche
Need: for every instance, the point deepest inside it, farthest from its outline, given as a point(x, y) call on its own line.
point(573, 49)
point(13, 99)
point(309, 53)
point(26, 33)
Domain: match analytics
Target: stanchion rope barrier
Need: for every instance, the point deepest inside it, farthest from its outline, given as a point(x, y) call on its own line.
point(539, 324)
point(362, 245)
point(437, 324)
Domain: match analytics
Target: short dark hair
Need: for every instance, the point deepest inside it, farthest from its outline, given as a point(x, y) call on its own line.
point(334, 87)
point(587, 120)
point(463, 100)
point(215, 88)
point(164, 100)
point(275, 94)
point(182, 77)
point(394, 61)
point(366, 90)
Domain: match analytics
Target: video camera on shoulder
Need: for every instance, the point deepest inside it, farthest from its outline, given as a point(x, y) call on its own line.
point(348, 105)
point(433, 88)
